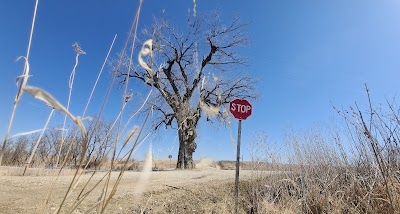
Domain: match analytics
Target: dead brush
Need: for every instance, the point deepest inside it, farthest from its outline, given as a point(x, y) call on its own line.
point(325, 179)
point(338, 193)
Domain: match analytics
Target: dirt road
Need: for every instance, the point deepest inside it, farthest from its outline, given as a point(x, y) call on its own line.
point(176, 191)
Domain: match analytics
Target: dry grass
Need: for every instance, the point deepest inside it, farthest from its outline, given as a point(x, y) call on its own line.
point(18, 171)
point(319, 192)
point(163, 165)
point(324, 178)
point(253, 165)
point(216, 197)
point(77, 147)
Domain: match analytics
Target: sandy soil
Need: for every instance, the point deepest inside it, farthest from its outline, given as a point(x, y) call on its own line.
point(205, 190)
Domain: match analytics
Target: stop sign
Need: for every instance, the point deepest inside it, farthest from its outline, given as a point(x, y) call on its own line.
point(241, 109)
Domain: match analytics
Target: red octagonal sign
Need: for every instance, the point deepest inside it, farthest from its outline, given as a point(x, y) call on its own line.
point(241, 109)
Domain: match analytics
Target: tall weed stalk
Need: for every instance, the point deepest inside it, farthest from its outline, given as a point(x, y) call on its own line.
point(23, 79)
point(120, 151)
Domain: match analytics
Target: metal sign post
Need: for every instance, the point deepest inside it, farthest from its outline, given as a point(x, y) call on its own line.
point(237, 166)
point(241, 109)
point(169, 156)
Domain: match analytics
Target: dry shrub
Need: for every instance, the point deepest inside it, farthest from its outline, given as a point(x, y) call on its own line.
point(329, 175)
point(339, 193)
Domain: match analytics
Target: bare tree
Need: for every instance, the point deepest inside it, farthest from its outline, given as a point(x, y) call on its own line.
point(194, 70)
point(20, 150)
point(100, 139)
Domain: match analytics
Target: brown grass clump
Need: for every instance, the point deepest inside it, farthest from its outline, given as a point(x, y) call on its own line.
point(320, 179)
point(319, 192)
point(328, 175)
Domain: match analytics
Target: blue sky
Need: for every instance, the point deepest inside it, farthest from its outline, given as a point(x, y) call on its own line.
point(305, 54)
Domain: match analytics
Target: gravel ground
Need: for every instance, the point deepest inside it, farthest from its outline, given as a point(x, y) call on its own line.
point(175, 191)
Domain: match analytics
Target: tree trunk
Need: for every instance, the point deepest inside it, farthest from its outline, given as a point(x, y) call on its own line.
point(187, 145)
